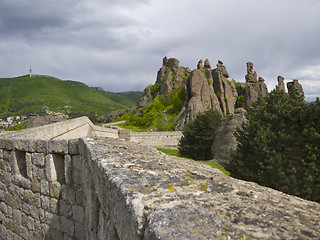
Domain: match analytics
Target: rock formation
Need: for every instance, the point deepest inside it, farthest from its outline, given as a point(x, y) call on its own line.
point(200, 64)
point(170, 76)
point(146, 98)
point(224, 89)
point(281, 83)
point(251, 76)
point(207, 64)
point(224, 139)
point(295, 86)
point(200, 97)
point(253, 88)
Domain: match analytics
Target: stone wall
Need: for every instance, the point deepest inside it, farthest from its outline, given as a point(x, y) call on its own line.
point(40, 189)
point(153, 139)
point(106, 188)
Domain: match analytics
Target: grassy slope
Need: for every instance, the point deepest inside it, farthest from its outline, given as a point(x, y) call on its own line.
point(23, 95)
point(123, 98)
point(174, 152)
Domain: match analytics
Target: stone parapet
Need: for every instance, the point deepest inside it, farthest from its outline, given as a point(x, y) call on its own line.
point(107, 188)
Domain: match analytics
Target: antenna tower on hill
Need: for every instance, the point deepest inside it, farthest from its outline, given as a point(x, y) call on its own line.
point(30, 71)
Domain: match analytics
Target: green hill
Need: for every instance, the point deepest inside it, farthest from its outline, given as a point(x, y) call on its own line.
point(24, 95)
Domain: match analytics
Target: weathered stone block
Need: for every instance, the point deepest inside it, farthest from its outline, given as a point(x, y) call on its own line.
point(6, 144)
point(37, 226)
point(58, 146)
point(44, 230)
point(38, 172)
point(35, 185)
point(3, 164)
point(41, 146)
point(6, 155)
point(55, 188)
point(76, 162)
point(68, 193)
point(38, 159)
point(8, 199)
point(22, 182)
point(80, 232)
point(67, 226)
point(68, 169)
point(26, 208)
point(78, 213)
point(50, 170)
point(74, 146)
point(2, 196)
point(54, 205)
point(24, 219)
point(44, 187)
point(48, 217)
point(29, 166)
point(45, 202)
point(3, 208)
point(7, 178)
point(10, 213)
point(42, 217)
point(56, 234)
point(34, 212)
point(25, 145)
point(37, 199)
point(4, 232)
point(79, 195)
point(30, 224)
point(28, 197)
point(23, 232)
point(17, 216)
point(55, 222)
point(65, 209)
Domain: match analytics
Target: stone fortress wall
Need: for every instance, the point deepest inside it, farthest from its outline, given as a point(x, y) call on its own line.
point(70, 181)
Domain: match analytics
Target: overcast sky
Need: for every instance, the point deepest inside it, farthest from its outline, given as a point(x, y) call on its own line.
point(119, 44)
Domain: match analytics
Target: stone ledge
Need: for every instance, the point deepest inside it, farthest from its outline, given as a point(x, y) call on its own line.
point(161, 192)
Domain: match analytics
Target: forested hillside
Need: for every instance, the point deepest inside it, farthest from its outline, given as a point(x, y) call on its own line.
point(24, 95)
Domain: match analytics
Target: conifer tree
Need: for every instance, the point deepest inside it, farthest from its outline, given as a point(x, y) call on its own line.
point(197, 138)
point(279, 146)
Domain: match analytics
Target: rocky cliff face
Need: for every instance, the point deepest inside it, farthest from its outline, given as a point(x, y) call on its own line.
point(206, 89)
point(170, 76)
point(224, 139)
point(253, 88)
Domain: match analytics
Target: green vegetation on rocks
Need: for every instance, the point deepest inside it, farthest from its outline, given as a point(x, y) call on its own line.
point(159, 115)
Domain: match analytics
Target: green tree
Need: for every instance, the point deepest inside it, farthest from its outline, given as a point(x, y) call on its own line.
point(197, 138)
point(279, 146)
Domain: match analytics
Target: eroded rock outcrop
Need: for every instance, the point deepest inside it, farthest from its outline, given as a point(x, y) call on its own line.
point(146, 98)
point(170, 76)
point(225, 90)
point(207, 64)
point(281, 83)
point(295, 86)
point(200, 64)
point(224, 139)
point(200, 97)
point(253, 88)
point(207, 89)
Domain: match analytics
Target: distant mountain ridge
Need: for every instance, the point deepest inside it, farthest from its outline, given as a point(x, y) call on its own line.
point(25, 95)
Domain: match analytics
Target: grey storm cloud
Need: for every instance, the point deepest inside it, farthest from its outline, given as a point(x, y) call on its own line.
point(119, 45)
